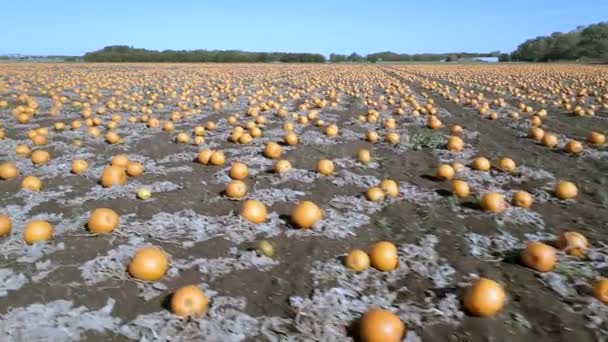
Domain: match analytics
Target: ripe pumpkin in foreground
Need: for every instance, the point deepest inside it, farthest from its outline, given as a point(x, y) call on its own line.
point(565, 190)
point(374, 194)
point(135, 169)
point(480, 164)
point(378, 325)
point(113, 175)
point(522, 199)
point(493, 202)
point(149, 264)
point(357, 260)
point(273, 150)
point(238, 171)
point(445, 172)
point(539, 256)
point(6, 225)
point(204, 156)
point(121, 160)
point(254, 211)
point(325, 167)
point(383, 256)
point(484, 297)
point(305, 214)
point(506, 165)
point(600, 290)
point(37, 231)
point(282, 166)
point(573, 243)
point(40, 157)
point(31, 183)
point(8, 171)
point(390, 187)
point(236, 189)
point(364, 156)
point(460, 188)
point(102, 221)
point(189, 301)
point(79, 166)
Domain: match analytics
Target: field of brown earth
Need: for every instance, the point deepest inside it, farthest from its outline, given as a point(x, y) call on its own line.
point(266, 189)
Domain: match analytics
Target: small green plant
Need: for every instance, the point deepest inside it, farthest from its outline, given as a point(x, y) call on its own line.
point(422, 139)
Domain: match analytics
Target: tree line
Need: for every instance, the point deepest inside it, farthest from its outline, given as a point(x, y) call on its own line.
point(122, 53)
point(584, 42)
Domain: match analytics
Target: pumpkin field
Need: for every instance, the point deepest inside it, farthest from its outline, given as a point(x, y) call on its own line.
point(294, 202)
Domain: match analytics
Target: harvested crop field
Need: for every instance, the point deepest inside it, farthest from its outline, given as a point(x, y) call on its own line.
point(402, 150)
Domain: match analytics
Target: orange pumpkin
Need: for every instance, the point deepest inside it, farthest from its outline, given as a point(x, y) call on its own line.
point(189, 301)
point(149, 264)
point(379, 325)
point(484, 297)
point(254, 211)
point(383, 256)
point(113, 175)
point(305, 214)
point(102, 221)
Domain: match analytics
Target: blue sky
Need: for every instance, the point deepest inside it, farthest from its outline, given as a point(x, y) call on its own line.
point(75, 27)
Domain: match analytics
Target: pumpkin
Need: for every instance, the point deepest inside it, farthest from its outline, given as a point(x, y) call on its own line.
point(6, 225)
point(102, 221)
point(600, 290)
point(31, 183)
point(305, 214)
point(445, 172)
point(596, 138)
point(455, 144)
point(379, 325)
point(383, 256)
point(357, 260)
point(480, 164)
point(290, 138)
point(565, 190)
point(282, 166)
point(79, 166)
point(238, 171)
point(325, 167)
point(522, 199)
point(573, 243)
point(254, 211)
point(506, 165)
point(236, 189)
point(390, 187)
point(135, 169)
point(40, 157)
point(460, 188)
point(484, 297)
point(23, 150)
point(189, 301)
point(37, 231)
point(217, 158)
point(273, 150)
point(121, 160)
point(8, 171)
point(204, 156)
point(374, 194)
point(539, 256)
point(149, 264)
point(549, 140)
point(392, 138)
point(364, 156)
point(113, 175)
point(493, 202)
